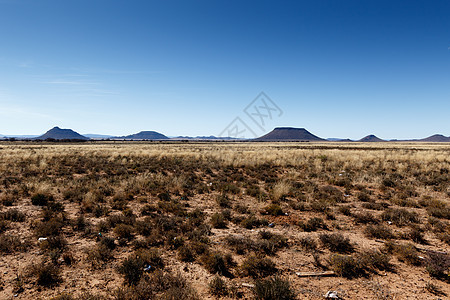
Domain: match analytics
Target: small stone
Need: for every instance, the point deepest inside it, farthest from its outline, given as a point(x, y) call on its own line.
point(332, 295)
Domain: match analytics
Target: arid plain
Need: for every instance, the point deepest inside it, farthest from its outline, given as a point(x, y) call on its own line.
point(171, 220)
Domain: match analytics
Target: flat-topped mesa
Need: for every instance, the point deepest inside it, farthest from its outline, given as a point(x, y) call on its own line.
point(289, 134)
point(144, 135)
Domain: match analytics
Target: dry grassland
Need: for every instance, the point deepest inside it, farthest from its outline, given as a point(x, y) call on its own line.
point(113, 220)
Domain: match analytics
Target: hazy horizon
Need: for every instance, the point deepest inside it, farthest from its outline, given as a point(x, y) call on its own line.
point(340, 69)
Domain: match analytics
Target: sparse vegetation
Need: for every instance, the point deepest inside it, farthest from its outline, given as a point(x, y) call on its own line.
point(336, 242)
point(258, 267)
point(274, 288)
point(142, 220)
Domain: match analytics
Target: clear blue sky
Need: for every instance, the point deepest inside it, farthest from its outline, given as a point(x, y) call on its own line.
point(338, 68)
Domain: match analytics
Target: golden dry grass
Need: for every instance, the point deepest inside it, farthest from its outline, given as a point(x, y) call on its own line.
point(148, 196)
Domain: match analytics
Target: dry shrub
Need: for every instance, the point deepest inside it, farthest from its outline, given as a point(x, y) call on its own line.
point(281, 189)
point(269, 243)
point(124, 232)
point(8, 199)
point(223, 200)
point(41, 199)
point(4, 225)
point(364, 196)
point(132, 269)
point(313, 224)
point(218, 221)
point(320, 206)
point(416, 235)
point(258, 266)
point(57, 243)
point(373, 260)
point(336, 242)
point(437, 212)
point(48, 228)
point(375, 205)
point(364, 218)
point(218, 287)
point(438, 265)
point(345, 210)
point(329, 194)
point(308, 243)
point(404, 252)
point(217, 263)
point(47, 274)
point(400, 216)
point(13, 215)
point(434, 289)
point(11, 243)
point(273, 209)
point(158, 285)
point(379, 232)
point(252, 222)
point(99, 255)
point(274, 288)
point(346, 266)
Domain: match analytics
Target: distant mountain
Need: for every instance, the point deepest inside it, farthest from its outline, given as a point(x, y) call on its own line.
point(21, 136)
point(371, 139)
point(98, 136)
point(289, 134)
point(144, 135)
point(57, 133)
point(339, 140)
point(437, 138)
point(204, 138)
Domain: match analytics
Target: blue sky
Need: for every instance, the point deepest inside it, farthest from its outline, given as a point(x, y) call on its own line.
point(338, 68)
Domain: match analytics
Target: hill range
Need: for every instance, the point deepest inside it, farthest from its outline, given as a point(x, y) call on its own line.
point(279, 134)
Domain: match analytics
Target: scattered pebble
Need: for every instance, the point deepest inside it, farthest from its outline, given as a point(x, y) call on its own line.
point(332, 295)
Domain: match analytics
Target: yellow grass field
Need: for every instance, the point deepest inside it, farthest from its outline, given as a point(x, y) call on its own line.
point(173, 220)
